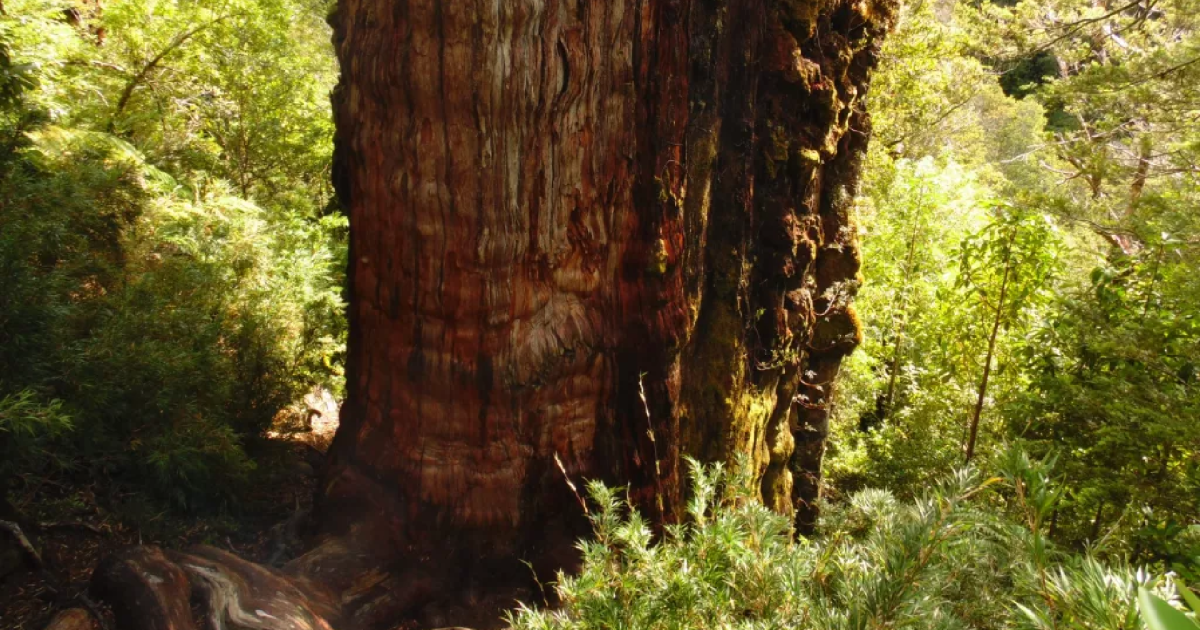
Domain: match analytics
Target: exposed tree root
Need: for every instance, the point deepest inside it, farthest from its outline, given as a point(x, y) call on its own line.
point(151, 589)
point(146, 590)
point(332, 586)
point(73, 619)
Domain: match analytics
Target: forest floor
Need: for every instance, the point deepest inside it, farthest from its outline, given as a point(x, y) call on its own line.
point(74, 524)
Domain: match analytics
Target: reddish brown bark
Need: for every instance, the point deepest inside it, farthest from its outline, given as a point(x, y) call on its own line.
point(555, 207)
point(551, 203)
point(146, 590)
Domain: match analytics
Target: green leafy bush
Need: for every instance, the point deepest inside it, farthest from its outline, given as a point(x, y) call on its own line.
point(968, 553)
point(29, 426)
point(1113, 389)
point(171, 277)
point(174, 328)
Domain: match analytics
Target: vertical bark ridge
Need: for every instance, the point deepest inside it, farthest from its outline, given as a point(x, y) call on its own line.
point(558, 206)
point(481, 279)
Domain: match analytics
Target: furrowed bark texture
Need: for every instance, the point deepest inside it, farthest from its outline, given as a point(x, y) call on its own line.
point(556, 206)
point(606, 234)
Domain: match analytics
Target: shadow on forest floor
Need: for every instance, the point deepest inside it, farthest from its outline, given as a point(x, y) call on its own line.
point(74, 523)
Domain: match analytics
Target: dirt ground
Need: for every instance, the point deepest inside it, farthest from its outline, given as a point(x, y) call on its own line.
point(75, 524)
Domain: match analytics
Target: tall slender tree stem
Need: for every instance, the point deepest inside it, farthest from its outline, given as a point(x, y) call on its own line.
point(991, 351)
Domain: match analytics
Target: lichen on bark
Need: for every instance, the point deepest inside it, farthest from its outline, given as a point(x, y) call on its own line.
point(782, 256)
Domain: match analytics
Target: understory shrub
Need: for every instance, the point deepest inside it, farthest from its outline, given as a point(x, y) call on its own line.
point(170, 259)
point(969, 553)
point(171, 322)
point(29, 426)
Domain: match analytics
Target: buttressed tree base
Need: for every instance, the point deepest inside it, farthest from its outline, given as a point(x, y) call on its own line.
point(609, 234)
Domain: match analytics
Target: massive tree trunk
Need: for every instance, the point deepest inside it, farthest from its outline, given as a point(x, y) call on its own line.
point(609, 234)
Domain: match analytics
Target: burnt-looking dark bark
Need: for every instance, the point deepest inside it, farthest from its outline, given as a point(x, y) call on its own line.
point(607, 233)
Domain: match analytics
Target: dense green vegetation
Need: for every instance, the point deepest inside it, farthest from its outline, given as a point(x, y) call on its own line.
point(1030, 249)
point(969, 552)
point(169, 268)
point(1016, 442)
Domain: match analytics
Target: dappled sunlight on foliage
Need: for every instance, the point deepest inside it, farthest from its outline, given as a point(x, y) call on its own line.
point(1068, 119)
point(970, 551)
point(171, 271)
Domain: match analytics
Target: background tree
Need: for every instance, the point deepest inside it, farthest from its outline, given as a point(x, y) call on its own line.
point(1005, 271)
point(1111, 168)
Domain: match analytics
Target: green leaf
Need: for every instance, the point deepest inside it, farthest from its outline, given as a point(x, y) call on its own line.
point(1159, 615)
point(1188, 596)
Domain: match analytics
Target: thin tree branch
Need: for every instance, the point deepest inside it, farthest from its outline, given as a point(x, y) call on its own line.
point(138, 78)
point(943, 115)
point(22, 541)
point(1158, 75)
point(103, 65)
point(1076, 26)
point(35, 558)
